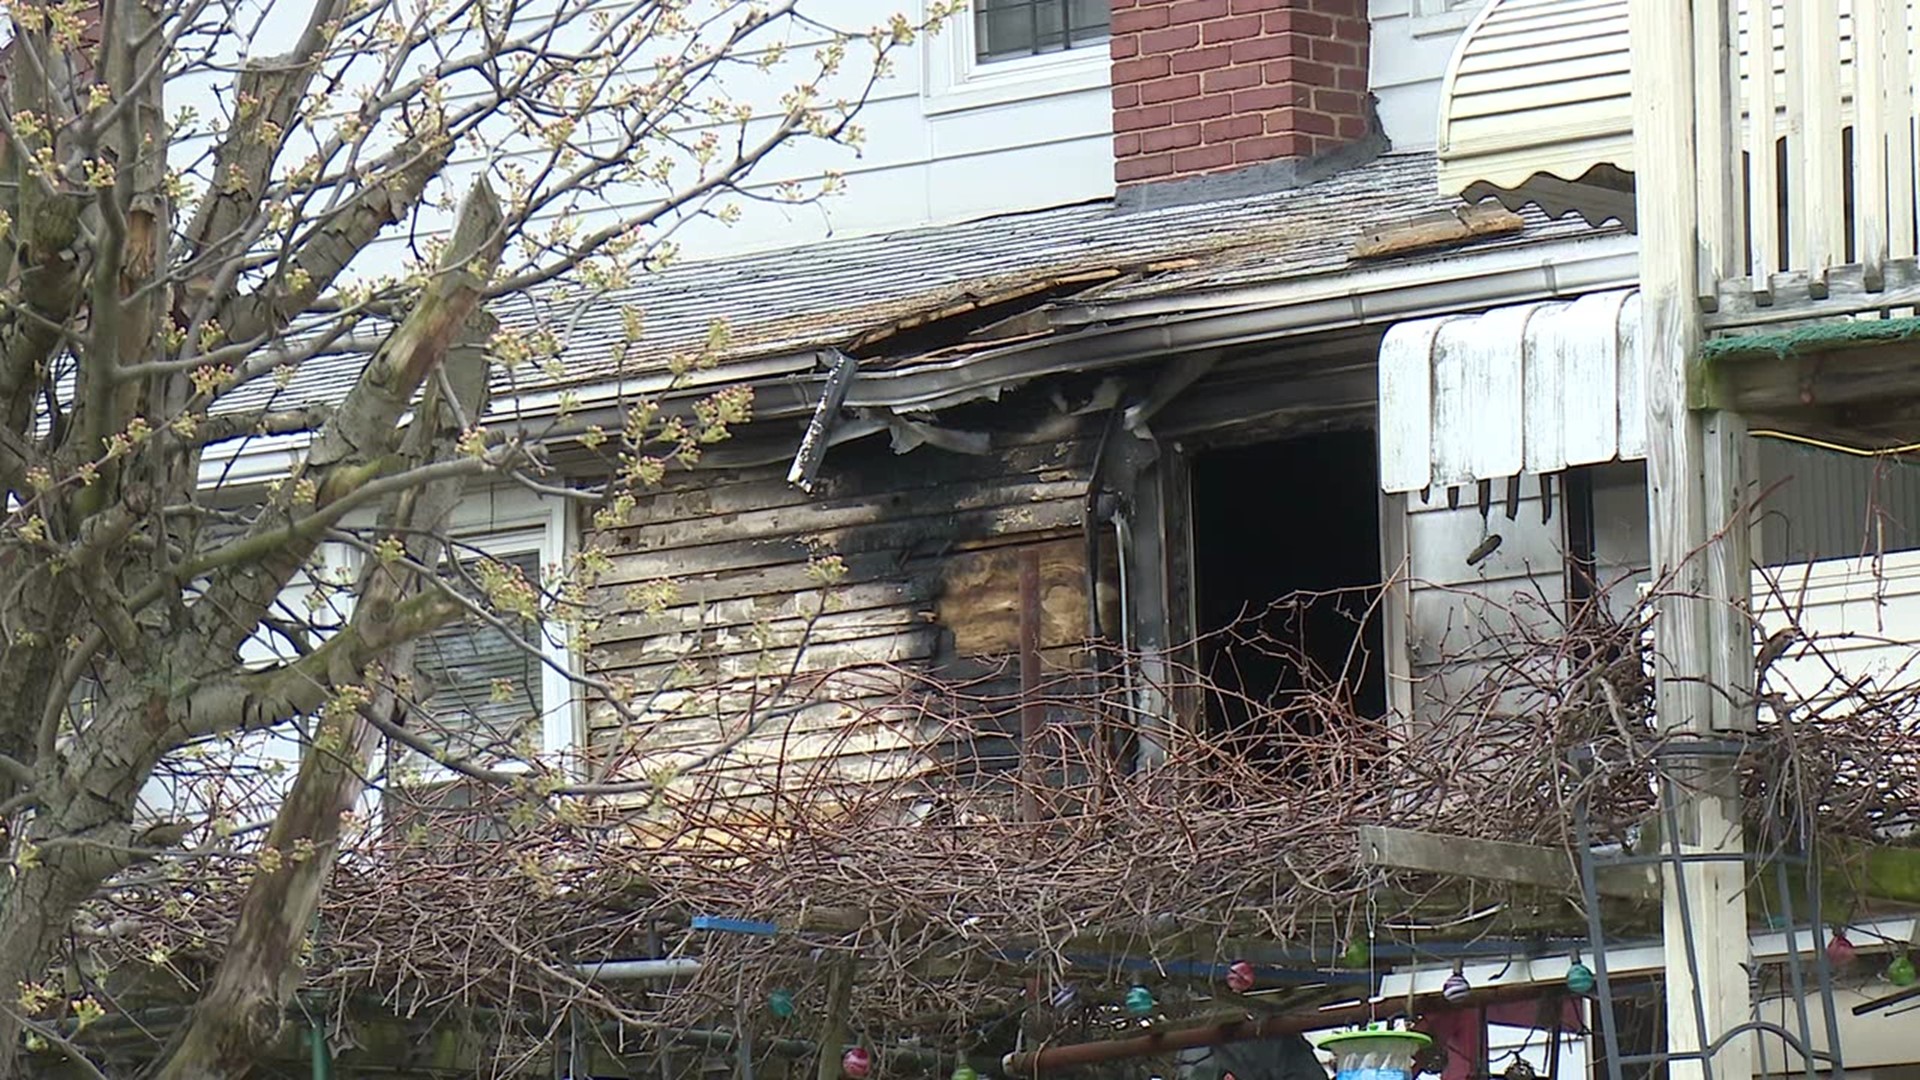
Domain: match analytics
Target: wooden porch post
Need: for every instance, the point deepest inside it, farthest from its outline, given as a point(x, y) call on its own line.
point(1704, 656)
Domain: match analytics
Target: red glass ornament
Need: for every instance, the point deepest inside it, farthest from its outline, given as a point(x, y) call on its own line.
point(858, 1063)
point(1240, 977)
point(1840, 951)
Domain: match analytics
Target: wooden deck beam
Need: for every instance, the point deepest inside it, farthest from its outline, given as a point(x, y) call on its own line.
point(1854, 384)
point(1497, 860)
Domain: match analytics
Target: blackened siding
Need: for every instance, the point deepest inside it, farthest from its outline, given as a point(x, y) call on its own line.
point(895, 567)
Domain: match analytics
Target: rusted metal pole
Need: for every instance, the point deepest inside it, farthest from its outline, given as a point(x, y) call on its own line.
point(1055, 1058)
point(1033, 715)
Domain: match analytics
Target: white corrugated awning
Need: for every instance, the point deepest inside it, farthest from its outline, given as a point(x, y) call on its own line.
point(1537, 106)
point(1533, 388)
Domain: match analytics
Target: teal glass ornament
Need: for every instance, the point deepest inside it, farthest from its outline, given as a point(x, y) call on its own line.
point(1580, 978)
point(780, 1004)
point(1140, 1001)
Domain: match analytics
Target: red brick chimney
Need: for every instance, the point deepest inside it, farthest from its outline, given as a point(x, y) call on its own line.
point(1204, 86)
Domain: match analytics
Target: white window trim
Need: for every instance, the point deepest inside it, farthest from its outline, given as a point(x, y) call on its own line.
point(510, 521)
point(504, 526)
point(956, 80)
point(497, 521)
point(1432, 18)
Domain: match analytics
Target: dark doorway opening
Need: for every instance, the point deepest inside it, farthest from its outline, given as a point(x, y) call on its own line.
point(1286, 544)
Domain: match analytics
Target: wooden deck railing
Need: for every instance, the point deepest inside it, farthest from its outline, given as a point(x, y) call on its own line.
point(1806, 152)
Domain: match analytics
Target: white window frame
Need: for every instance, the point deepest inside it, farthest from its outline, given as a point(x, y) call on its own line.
point(502, 522)
point(496, 521)
point(956, 79)
point(1432, 18)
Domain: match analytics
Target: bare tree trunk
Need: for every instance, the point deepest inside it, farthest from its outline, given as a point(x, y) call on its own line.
point(241, 1012)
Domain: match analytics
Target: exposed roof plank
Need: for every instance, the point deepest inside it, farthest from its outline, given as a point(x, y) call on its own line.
point(1440, 230)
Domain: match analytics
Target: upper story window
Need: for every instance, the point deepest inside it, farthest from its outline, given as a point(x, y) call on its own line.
point(1006, 29)
point(1443, 16)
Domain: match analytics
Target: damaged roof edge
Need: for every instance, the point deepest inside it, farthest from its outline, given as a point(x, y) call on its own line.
point(1118, 333)
point(1375, 298)
point(790, 385)
point(1457, 283)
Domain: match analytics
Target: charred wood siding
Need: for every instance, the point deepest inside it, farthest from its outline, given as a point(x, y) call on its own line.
point(746, 610)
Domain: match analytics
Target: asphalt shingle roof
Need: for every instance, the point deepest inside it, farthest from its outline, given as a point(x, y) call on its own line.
point(828, 294)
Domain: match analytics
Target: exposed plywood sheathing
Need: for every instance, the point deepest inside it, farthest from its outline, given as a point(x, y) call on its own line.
point(976, 306)
point(1431, 231)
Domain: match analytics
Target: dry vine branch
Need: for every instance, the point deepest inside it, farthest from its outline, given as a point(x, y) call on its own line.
point(958, 910)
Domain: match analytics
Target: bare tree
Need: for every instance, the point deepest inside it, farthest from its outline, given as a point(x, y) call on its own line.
point(360, 202)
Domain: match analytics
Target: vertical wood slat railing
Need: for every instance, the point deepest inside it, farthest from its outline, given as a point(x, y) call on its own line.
point(1763, 193)
point(1807, 159)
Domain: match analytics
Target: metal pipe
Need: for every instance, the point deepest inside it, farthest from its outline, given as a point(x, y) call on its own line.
point(1054, 1058)
point(613, 970)
point(1596, 929)
point(813, 445)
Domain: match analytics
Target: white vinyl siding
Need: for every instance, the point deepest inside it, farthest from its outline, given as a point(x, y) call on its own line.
point(1839, 545)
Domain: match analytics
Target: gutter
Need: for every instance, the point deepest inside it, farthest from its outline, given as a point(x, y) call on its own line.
point(789, 386)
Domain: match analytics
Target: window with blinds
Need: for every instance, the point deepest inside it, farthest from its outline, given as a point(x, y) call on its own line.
point(480, 700)
point(481, 689)
point(1005, 29)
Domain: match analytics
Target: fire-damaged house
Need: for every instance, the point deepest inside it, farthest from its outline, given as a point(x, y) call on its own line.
point(1147, 427)
point(1259, 444)
point(1349, 442)
point(1141, 428)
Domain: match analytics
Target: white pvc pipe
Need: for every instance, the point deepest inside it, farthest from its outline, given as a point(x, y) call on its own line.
point(669, 968)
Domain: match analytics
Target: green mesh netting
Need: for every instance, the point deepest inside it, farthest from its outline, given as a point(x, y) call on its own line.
point(1815, 338)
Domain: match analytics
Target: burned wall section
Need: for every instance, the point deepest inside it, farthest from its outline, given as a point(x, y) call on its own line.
point(814, 630)
point(1481, 582)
